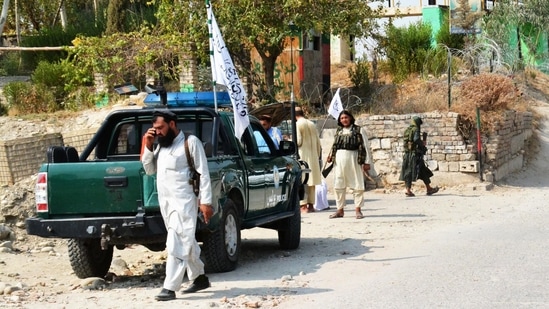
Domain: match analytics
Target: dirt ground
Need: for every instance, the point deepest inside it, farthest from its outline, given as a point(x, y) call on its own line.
point(266, 277)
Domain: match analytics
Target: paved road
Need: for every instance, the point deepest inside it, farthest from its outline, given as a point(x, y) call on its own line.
point(457, 249)
point(452, 257)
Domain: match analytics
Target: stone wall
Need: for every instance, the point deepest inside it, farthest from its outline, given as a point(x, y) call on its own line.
point(450, 154)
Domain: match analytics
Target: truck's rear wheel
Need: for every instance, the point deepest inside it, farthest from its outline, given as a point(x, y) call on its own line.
point(87, 259)
point(222, 247)
point(289, 231)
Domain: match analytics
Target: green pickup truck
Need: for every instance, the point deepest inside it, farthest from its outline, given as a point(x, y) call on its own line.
point(102, 198)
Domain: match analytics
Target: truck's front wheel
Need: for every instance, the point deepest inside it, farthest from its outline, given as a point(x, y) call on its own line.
point(222, 247)
point(88, 259)
point(289, 231)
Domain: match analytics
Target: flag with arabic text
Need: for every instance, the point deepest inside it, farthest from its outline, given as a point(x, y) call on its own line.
point(224, 73)
point(336, 107)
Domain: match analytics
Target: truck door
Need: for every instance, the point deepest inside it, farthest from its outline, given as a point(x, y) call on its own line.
point(276, 178)
point(255, 170)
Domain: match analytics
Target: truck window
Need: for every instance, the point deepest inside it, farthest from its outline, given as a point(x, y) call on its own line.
point(262, 146)
point(224, 146)
point(258, 143)
point(200, 126)
point(127, 140)
point(265, 145)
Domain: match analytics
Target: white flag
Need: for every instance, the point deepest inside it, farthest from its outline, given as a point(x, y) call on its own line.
point(224, 73)
point(336, 107)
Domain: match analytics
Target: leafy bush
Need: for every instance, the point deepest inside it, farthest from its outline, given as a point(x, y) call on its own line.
point(26, 98)
point(406, 49)
point(16, 92)
point(436, 62)
point(50, 75)
point(9, 64)
point(444, 37)
point(360, 76)
point(79, 99)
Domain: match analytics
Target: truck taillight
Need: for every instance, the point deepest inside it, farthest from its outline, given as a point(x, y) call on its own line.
point(41, 192)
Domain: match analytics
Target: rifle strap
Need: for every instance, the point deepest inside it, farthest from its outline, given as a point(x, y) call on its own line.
point(190, 160)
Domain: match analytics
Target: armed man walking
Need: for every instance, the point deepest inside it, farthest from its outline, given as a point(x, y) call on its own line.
point(413, 165)
point(178, 203)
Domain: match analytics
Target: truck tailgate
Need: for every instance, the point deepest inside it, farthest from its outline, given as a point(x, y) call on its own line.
point(92, 188)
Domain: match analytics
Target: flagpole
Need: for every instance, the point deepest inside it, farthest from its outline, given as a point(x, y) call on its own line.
point(292, 98)
point(212, 58)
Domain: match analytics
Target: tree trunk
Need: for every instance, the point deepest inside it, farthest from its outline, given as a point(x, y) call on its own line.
point(115, 16)
point(63, 15)
point(4, 16)
point(268, 69)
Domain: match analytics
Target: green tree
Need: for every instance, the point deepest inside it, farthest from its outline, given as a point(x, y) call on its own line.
point(406, 49)
point(115, 16)
point(263, 25)
point(530, 20)
point(444, 37)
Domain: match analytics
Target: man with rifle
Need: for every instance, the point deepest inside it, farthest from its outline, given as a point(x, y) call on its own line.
point(413, 165)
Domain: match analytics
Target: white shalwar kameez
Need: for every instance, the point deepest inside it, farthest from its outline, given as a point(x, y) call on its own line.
point(179, 205)
point(349, 174)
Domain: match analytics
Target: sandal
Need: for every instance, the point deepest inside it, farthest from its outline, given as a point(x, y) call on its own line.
point(432, 191)
point(337, 214)
point(359, 214)
point(410, 194)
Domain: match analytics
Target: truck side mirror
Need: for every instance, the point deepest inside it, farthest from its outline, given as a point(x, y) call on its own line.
point(287, 148)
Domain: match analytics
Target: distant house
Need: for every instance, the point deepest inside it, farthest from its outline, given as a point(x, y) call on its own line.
point(304, 64)
point(532, 48)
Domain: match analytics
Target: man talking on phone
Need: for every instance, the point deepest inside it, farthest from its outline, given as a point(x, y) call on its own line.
point(178, 203)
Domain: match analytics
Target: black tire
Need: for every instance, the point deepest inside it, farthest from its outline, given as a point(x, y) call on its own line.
point(87, 259)
point(156, 247)
point(289, 230)
point(222, 247)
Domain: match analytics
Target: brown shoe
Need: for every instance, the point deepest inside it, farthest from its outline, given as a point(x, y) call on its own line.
point(432, 191)
point(337, 214)
point(310, 208)
point(359, 214)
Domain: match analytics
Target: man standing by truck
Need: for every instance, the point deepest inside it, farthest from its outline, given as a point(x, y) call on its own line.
point(308, 143)
point(178, 202)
